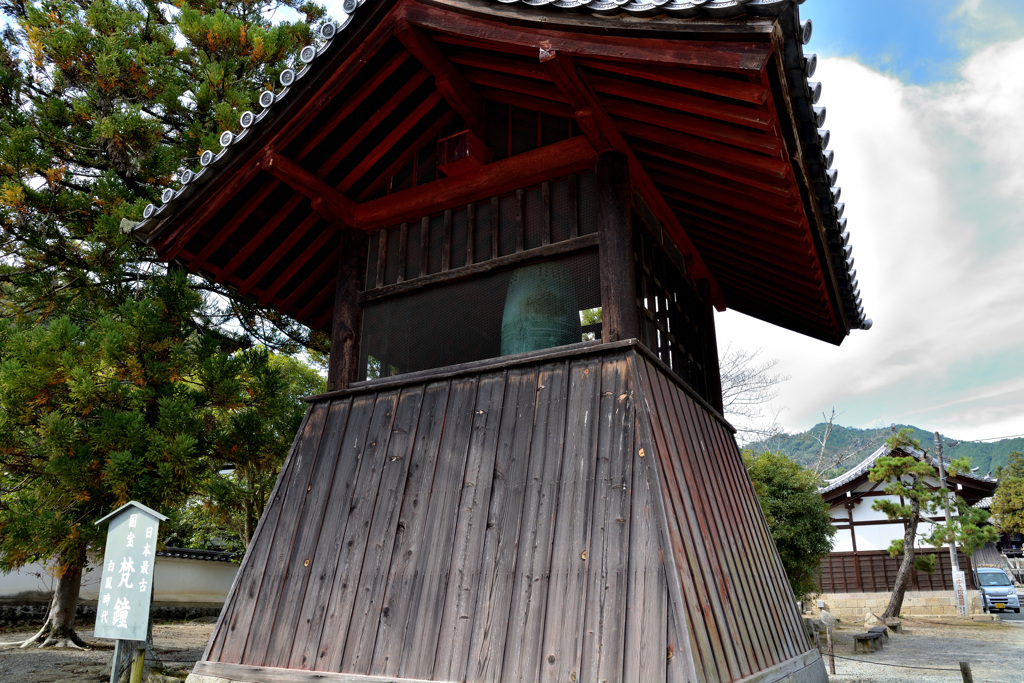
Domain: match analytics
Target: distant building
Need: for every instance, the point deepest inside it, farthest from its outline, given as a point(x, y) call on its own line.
point(860, 560)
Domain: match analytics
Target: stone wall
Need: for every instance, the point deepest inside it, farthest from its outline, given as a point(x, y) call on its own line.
point(851, 607)
point(32, 615)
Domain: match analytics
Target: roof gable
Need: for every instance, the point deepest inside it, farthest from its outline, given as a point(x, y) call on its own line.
point(716, 116)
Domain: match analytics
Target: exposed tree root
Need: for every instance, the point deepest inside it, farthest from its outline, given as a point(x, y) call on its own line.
point(46, 639)
point(40, 634)
point(72, 642)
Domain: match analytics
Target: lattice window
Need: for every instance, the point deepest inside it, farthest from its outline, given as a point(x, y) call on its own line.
point(672, 314)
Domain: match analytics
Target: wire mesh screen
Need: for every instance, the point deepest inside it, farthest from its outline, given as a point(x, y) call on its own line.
point(462, 321)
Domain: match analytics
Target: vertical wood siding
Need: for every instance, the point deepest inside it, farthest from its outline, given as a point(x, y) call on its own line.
point(735, 597)
point(874, 571)
point(580, 519)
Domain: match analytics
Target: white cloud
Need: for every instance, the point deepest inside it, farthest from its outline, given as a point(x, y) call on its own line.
point(933, 180)
point(983, 22)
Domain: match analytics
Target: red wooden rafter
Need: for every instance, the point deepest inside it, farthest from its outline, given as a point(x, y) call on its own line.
point(597, 125)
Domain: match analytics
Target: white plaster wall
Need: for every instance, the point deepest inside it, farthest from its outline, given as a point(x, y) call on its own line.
point(176, 580)
point(878, 536)
point(865, 513)
point(842, 542)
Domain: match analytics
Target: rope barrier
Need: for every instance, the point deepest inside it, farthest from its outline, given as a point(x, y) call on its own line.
point(898, 666)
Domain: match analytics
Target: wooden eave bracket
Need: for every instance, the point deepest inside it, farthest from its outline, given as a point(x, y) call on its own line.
point(328, 202)
point(604, 135)
point(561, 158)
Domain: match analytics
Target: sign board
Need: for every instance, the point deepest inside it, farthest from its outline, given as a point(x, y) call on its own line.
point(960, 590)
point(126, 586)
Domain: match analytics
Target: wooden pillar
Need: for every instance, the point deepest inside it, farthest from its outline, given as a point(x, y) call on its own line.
point(347, 323)
point(615, 246)
point(712, 372)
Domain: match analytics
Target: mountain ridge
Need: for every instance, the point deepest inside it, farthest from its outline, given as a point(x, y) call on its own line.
point(850, 445)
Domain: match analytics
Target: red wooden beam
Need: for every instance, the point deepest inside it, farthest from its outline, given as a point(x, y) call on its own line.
point(750, 210)
point(391, 139)
point(351, 102)
point(324, 264)
point(521, 170)
point(693, 104)
point(228, 229)
point(527, 41)
point(369, 126)
point(700, 81)
point(224, 273)
point(513, 84)
point(699, 126)
point(314, 249)
point(401, 160)
point(455, 89)
point(559, 109)
point(171, 243)
point(694, 145)
point(334, 206)
point(668, 160)
point(249, 284)
point(597, 125)
point(512, 67)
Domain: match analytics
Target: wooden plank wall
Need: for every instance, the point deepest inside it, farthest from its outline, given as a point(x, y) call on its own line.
point(874, 571)
point(732, 588)
point(481, 528)
point(580, 519)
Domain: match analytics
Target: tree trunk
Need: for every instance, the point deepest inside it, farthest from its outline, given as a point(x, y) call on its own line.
point(907, 565)
point(59, 628)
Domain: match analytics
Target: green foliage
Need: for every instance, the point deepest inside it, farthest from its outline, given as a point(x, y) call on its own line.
point(1014, 467)
point(1008, 501)
point(119, 378)
point(247, 454)
point(103, 104)
point(925, 563)
point(796, 514)
point(903, 439)
point(92, 415)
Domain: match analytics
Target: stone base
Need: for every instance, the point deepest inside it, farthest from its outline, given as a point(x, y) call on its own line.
point(851, 607)
point(806, 668)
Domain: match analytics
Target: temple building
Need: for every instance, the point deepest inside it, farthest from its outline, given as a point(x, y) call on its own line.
point(515, 220)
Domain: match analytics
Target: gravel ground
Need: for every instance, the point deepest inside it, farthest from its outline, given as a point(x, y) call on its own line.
point(178, 644)
point(995, 651)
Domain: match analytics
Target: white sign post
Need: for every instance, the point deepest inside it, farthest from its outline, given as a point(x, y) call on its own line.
point(960, 589)
point(126, 587)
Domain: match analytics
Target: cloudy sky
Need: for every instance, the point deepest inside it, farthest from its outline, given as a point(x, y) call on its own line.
point(925, 102)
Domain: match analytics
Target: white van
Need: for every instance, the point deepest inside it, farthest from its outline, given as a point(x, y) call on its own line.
point(997, 591)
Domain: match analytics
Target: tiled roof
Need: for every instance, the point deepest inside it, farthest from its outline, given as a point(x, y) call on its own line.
point(804, 94)
point(867, 463)
point(192, 554)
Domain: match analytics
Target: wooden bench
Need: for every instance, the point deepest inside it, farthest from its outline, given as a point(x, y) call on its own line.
point(880, 629)
point(870, 641)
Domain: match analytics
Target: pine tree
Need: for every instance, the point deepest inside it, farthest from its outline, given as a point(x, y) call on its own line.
point(116, 373)
point(907, 478)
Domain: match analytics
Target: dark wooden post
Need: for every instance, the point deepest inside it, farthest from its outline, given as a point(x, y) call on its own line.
point(712, 372)
point(615, 245)
point(347, 324)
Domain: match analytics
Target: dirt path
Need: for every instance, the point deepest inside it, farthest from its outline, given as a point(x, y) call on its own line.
point(178, 644)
